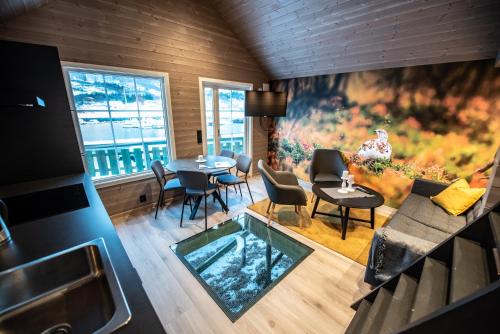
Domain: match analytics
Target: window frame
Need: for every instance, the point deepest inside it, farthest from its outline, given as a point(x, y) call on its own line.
point(223, 84)
point(169, 129)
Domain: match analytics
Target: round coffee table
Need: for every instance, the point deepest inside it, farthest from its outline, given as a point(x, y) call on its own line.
point(345, 204)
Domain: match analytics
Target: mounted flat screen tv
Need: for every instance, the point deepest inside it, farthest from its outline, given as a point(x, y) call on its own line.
point(265, 104)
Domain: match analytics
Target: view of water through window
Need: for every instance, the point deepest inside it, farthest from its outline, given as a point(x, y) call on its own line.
point(122, 120)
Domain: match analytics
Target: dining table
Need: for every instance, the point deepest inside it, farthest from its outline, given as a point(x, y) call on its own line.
point(208, 165)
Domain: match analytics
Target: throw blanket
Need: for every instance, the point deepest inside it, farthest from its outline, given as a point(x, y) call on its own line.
point(392, 251)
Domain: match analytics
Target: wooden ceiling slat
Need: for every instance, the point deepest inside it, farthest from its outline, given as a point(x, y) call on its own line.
point(300, 38)
point(368, 20)
point(314, 11)
point(377, 39)
point(399, 59)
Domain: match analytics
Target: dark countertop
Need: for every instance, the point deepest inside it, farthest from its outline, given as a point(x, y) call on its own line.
point(45, 236)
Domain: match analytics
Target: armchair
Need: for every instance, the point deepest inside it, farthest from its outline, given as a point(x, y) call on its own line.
point(327, 165)
point(282, 188)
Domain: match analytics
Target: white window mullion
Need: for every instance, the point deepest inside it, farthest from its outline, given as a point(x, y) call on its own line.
point(146, 155)
point(215, 94)
point(111, 122)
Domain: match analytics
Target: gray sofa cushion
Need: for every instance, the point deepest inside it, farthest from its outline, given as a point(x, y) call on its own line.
point(423, 210)
point(416, 229)
point(325, 177)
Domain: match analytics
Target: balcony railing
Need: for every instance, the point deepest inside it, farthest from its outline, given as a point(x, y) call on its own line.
point(108, 160)
point(124, 159)
point(235, 144)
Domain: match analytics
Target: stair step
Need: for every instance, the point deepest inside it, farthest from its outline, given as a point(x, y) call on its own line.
point(494, 219)
point(399, 309)
point(432, 289)
point(377, 312)
point(359, 318)
point(470, 269)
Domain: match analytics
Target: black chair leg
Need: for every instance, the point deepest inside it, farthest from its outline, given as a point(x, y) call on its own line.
point(182, 211)
point(248, 187)
point(236, 191)
point(158, 202)
point(190, 206)
point(227, 189)
point(221, 202)
point(205, 212)
point(216, 190)
point(241, 194)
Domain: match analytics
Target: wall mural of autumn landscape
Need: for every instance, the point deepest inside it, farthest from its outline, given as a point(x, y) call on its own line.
point(438, 122)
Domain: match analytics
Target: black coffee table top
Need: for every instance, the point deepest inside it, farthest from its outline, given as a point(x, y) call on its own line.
point(190, 164)
point(359, 203)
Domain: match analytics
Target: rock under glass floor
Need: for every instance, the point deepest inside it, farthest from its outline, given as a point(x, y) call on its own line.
point(239, 260)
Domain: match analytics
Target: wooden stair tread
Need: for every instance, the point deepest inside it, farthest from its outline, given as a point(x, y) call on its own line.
point(432, 289)
point(399, 309)
point(359, 318)
point(470, 269)
point(377, 312)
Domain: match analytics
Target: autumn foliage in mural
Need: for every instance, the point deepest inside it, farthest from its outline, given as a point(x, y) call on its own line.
point(437, 121)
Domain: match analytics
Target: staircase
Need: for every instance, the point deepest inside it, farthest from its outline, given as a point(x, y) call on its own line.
point(454, 289)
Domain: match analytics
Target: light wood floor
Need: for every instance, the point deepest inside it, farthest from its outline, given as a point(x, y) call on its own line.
point(314, 298)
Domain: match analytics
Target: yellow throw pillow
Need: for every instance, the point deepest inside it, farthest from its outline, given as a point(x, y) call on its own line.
point(458, 197)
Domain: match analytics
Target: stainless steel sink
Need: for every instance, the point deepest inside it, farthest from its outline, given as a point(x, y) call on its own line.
point(73, 291)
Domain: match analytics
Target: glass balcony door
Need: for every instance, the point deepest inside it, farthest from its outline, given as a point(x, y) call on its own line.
point(226, 127)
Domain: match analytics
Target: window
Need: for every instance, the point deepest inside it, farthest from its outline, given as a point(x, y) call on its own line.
point(122, 118)
point(223, 114)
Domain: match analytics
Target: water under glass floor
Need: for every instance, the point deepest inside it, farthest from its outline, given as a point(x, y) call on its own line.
point(240, 260)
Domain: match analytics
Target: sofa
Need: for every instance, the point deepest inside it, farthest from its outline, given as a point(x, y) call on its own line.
point(419, 225)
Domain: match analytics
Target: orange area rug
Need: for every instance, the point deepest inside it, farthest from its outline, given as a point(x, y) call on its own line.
point(326, 230)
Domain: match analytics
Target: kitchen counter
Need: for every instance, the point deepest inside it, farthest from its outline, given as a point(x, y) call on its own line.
point(45, 236)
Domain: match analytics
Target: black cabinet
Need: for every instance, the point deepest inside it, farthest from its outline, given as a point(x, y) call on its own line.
point(40, 141)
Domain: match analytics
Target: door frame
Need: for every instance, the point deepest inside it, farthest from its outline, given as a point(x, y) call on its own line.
point(224, 84)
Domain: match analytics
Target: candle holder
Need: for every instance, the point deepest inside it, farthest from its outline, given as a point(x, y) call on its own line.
point(350, 182)
point(345, 178)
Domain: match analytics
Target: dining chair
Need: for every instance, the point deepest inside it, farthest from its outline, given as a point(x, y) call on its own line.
point(282, 188)
point(243, 163)
point(197, 185)
point(170, 185)
point(227, 154)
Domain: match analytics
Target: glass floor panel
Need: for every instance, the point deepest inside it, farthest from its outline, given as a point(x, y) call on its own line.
point(239, 260)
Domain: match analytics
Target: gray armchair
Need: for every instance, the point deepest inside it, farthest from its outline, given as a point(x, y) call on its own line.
point(326, 166)
point(282, 188)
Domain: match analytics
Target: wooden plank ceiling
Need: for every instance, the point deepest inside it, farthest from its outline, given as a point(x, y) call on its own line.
point(294, 38)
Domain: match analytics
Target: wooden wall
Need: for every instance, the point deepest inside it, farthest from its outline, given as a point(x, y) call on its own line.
point(187, 39)
point(306, 38)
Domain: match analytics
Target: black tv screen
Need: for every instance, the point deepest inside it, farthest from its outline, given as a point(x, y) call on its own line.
point(258, 103)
